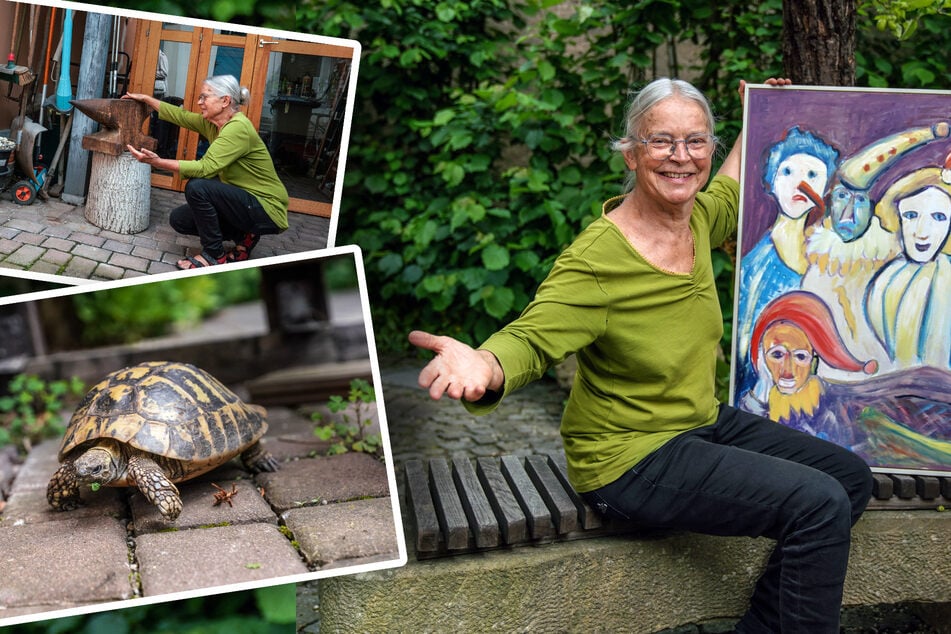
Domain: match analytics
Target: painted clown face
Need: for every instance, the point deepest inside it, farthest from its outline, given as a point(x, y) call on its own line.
point(851, 212)
point(788, 356)
point(799, 183)
point(925, 221)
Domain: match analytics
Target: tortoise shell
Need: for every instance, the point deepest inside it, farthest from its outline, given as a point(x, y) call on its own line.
point(169, 409)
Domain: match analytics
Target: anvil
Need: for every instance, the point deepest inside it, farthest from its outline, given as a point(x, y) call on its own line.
point(120, 124)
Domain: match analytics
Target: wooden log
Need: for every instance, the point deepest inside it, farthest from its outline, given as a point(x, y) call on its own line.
point(119, 194)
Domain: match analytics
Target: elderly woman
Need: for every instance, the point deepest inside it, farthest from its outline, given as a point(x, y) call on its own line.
point(233, 192)
point(645, 438)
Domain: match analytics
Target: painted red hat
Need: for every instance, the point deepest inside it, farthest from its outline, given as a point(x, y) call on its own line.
point(806, 311)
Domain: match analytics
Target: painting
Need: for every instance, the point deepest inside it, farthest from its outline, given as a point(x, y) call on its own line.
point(842, 320)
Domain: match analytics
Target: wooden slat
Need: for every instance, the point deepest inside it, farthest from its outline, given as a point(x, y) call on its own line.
point(536, 512)
point(489, 503)
point(588, 517)
point(563, 511)
point(905, 486)
point(927, 487)
point(883, 487)
point(421, 502)
point(485, 528)
point(512, 522)
point(452, 517)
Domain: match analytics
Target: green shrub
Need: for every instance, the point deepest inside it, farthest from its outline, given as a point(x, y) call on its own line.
point(32, 409)
point(131, 313)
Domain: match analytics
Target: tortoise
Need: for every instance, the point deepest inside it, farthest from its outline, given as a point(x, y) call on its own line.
point(153, 424)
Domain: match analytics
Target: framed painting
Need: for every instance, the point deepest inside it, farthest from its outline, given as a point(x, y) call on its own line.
point(842, 321)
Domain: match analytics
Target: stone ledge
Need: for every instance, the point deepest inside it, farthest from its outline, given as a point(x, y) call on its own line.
point(627, 583)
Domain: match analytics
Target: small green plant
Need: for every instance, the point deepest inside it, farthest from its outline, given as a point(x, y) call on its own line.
point(31, 409)
point(346, 434)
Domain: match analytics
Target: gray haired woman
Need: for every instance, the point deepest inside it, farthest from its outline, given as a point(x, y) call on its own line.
point(233, 192)
point(644, 436)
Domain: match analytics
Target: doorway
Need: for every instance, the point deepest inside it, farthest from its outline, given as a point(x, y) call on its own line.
point(298, 99)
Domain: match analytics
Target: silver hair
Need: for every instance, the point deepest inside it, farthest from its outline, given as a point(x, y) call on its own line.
point(645, 99)
point(228, 86)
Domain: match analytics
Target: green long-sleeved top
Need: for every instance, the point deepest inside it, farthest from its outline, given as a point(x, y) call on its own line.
point(646, 341)
point(236, 155)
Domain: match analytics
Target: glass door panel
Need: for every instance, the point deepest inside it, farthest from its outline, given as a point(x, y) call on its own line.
point(301, 120)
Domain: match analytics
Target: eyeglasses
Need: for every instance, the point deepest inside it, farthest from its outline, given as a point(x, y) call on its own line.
point(661, 147)
point(205, 96)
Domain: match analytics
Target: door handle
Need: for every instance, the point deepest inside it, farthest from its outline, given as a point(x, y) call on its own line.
point(261, 43)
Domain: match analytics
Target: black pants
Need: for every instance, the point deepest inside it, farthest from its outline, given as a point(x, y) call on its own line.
point(216, 211)
point(746, 475)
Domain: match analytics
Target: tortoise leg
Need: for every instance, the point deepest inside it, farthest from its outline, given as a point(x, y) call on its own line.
point(63, 490)
point(155, 486)
point(257, 459)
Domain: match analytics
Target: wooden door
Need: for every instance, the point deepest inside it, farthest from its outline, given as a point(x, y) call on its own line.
point(298, 98)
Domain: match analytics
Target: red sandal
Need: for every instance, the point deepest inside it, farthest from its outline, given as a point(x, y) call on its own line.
point(242, 248)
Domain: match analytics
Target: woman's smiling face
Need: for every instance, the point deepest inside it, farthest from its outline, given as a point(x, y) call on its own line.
point(678, 178)
point(925, 222)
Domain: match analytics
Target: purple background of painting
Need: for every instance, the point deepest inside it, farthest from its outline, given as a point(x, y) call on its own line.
point(848, 120)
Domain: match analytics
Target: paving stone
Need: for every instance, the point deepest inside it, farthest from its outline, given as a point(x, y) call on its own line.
point(124, 261)
point(149, 253)
point(90, 252)
point(117, 246)
point(57, 231)
point(36, 558)
point(26, 255)
point(28, 225)
point(30, 507)
point(59, 258)
point(35, 239)
point(43, 266)
point(324, 479)
point(58, 243)
point(199, 508)
point(80, 267)
point(346, 533)
point(85, 237)
point(204, 558)
point(108, 272)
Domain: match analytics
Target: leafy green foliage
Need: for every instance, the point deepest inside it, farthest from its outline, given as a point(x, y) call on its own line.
point(131, 313)
point(479, 144)
point(269, 610)
point(902, 17)
point(346, 434)
point(464, 185)
point(31, 410)
point(270, 13)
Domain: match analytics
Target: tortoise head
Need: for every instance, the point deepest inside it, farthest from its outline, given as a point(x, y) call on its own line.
point(101, 463)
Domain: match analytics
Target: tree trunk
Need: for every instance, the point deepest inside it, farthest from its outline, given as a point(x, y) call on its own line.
point(119, 193)
point(819, 42)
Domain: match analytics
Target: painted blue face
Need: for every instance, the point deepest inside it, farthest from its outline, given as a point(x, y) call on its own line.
point(851, 212)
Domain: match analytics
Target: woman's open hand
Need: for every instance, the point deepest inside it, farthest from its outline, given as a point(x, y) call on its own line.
point(458, 370)
point(142, 155)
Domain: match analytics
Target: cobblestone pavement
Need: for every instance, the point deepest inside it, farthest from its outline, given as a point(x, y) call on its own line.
point(421, 428)
point(51, 237)
point(316, 513)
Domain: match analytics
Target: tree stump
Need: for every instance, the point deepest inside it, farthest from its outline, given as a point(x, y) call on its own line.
point(120, 193)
